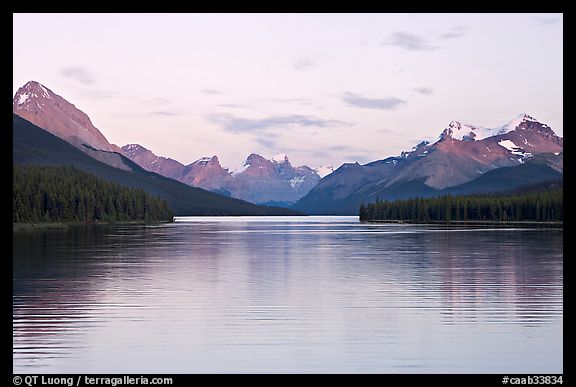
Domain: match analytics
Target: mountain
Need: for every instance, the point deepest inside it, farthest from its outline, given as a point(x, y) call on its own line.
point(37, 104)
point(207, 173)
point(145, 158)
point(260, 181)
point(32, 145)
point(465, 159)
point(265, 181)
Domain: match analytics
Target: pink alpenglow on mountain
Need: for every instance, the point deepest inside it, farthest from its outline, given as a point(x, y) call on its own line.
point(259, 181)
point(146, 159)
point(49, 111)
point(206, 173)
point(464, 159)
point(464, 151)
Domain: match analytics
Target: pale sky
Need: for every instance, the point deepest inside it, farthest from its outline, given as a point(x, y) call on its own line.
point(322, 88)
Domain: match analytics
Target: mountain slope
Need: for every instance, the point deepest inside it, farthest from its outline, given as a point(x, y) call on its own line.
point(146, 159)
point(527, 151)
point(49, 111)
point(32, 145)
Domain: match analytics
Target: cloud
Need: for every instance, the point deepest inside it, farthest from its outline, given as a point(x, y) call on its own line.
point(424, 90)
point(409, 42)
point(268, 140)
point(387, 103)
point(244, 125)
point(456, 32)
point(78, 74)
point(164, 113)
point(154, 113)
point(233, 106)
point(211, 91)
point(548, 21)
point(304, 64)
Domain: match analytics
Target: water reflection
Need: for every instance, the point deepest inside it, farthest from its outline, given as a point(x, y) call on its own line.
point(287, 295)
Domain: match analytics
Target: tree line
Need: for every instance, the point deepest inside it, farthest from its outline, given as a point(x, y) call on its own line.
point(521, 205)
point(65, 194)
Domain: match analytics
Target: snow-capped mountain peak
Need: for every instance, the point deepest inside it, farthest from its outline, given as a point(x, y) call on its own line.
point(462, 131)
point(523, 117)
point(466, 132)
point(31, 92)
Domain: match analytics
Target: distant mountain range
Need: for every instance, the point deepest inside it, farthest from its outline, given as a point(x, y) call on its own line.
point(464, 159)
point(259, 181)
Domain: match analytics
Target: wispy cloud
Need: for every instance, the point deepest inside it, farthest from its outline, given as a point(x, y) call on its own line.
point(268, 140)
point(386, 103)
point(455, 32)
point(340, 148)
point(211, 91)
point(243, 125)
point(164, 113)
point(424, 90)
point(408, 41)
point(233, 106)
point(78, 74)
point(548, 20)
point(304, 64)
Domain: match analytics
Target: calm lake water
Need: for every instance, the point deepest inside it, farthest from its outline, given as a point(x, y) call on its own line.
point(290, 295)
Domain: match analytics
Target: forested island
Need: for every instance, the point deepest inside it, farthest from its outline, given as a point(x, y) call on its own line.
point(65, 194)
point(536, 203)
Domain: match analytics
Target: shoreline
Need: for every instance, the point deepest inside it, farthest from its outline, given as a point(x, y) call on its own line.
point(65, 225)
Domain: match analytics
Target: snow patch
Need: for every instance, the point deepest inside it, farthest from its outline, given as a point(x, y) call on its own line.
point(514, 149)
point(45, 92)
point(280, 158)
point(508, 145)
point(240, 170)
point(23, 98)
point(297, 181)
point(203, 161)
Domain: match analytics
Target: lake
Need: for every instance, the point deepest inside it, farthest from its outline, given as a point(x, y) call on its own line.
point(287, 295)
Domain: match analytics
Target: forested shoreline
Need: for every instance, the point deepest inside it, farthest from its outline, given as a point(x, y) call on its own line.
point(65, 194)
point(537, 203)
